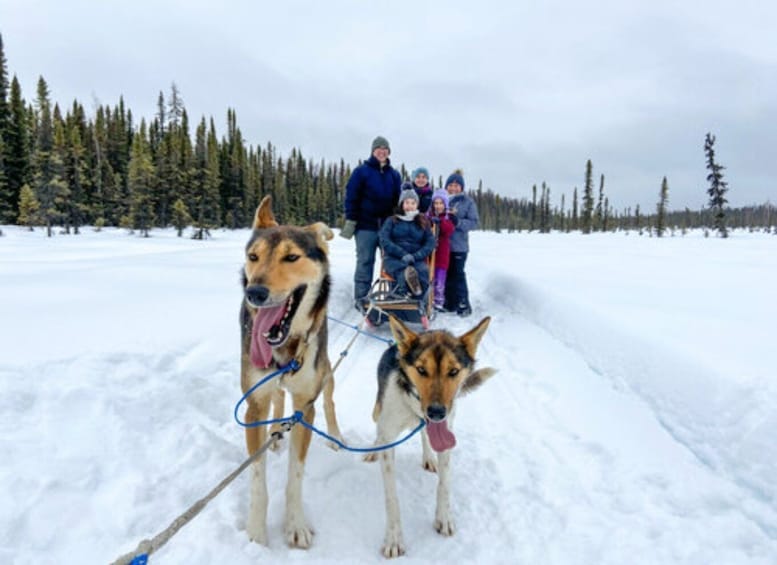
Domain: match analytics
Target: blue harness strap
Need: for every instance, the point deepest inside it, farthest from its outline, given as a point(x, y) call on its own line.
point(293, 365)
point(298, 417)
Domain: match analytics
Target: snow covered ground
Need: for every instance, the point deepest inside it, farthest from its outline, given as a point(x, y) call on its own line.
point(632, 419)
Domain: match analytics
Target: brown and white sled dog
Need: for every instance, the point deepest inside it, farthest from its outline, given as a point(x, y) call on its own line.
point(420, 378)
point(283, 317)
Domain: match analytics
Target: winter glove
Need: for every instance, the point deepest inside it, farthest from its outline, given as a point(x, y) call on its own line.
point(408, 259)
point(435, 220)
point(453, 218)
point(348, 229)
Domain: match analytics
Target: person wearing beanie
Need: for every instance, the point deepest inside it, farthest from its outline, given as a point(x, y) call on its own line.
point(379, 143)
point(420, 178)
point(444, 225)
point(457, 178)
point(370, 196)
point(407, 240)
point(466, 212)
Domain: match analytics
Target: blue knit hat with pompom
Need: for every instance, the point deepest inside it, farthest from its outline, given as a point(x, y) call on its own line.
point(457, 177)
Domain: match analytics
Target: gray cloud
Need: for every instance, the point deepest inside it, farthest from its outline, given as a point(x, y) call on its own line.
point(514, 94)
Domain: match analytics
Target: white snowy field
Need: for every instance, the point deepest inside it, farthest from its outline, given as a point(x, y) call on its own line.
point(632, 419)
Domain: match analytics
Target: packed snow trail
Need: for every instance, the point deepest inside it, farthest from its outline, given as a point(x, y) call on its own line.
point(594, 443)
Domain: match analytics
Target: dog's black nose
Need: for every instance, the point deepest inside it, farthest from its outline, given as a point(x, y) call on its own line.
point(436, 412)
point(257, 294)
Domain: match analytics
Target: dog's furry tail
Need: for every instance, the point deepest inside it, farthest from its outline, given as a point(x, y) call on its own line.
point(477, 378)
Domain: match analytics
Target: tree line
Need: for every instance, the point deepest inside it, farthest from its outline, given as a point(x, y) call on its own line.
point(62, 167)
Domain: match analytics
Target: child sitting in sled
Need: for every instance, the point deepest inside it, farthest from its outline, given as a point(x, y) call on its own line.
point(407, 240)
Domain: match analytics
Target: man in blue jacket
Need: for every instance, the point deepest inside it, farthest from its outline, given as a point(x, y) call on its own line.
point(370, 196)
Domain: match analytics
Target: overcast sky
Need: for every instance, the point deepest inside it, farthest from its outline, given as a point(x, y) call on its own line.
point(514, 93)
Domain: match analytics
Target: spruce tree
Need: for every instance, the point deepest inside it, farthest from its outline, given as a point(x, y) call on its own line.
point(29, 208)
point(185, 162)
point(206, 181)
point(49, 185)
point(140, 183)
point(5, 112)
point(562, 215)
point(181, 216)
point(7, 208)
point(588, 198)
point(233, 185)
point(661, 209)
point(118, 143)
point(637, 220)
point(545, 209)
point(175, 107)
point(161, 114)
point(166, 179)
point(62, 194)
point(105, 209)
point(600, 211)
point(17, 151)
point(718, 187)
point(574, 218)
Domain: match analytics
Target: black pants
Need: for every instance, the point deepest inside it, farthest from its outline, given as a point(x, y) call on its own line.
point(456, 291)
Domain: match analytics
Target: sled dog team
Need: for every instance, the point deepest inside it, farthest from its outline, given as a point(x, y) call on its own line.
point(283, 317)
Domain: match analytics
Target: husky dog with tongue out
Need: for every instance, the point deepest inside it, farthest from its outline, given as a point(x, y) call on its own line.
point(283, 318)
point(419, 378)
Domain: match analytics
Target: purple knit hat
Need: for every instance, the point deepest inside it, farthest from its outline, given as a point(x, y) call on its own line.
point(442, 194)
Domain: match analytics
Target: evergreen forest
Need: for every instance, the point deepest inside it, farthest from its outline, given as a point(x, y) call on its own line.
point(61, 168)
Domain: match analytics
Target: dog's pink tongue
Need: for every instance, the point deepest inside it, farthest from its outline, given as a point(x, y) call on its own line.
point(440, 436)
point(261, 351)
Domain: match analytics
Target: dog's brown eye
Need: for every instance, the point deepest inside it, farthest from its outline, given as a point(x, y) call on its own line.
point(253, 257)
point(453, 372)
point(421, 371)
point(291, 257)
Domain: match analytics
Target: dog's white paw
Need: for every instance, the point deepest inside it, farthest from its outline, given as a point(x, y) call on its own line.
point(393, 546)
point(444, 526)
point(257, 531)
point(429, 464)
point(298, 535)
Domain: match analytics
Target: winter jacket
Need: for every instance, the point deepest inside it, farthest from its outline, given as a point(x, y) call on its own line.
point(445, 228)
point(467, 213)
point(371, 194)
point(399, 237)
point(424, 197)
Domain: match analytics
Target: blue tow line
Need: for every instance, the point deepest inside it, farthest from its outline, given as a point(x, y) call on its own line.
point(361, 331)
point(297, 417)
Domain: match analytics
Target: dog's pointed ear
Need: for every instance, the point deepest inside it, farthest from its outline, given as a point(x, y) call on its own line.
point(321, 230)
point(475, 379)
point(264, 217)
point(472, 338)
point(403, 335)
